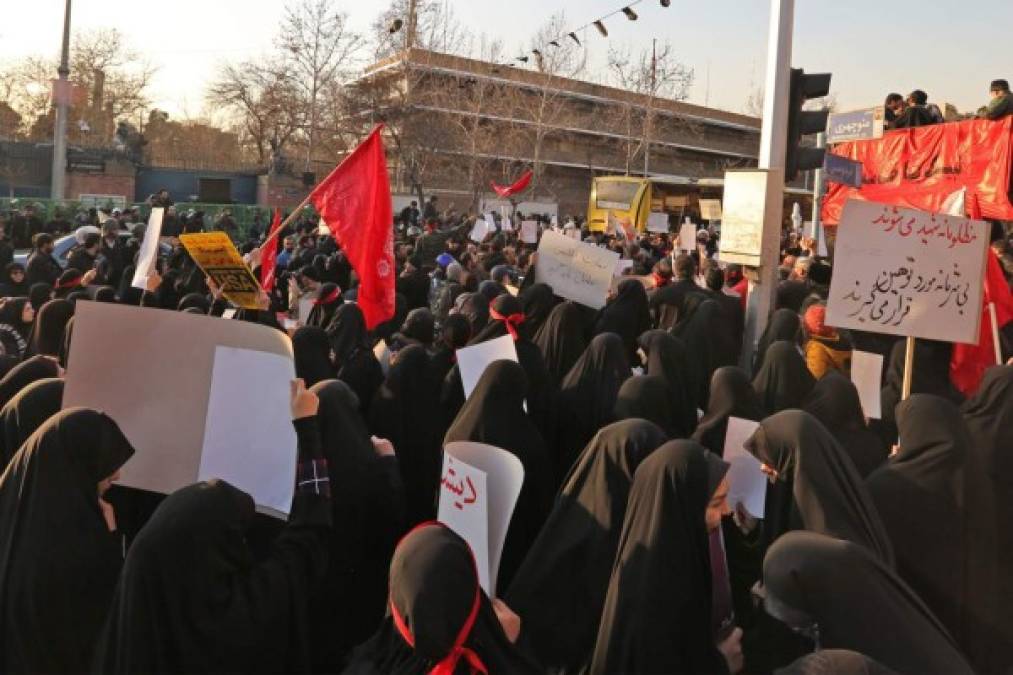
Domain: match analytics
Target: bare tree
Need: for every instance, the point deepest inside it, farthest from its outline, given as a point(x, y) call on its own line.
point(435, 28)
point(319, 48)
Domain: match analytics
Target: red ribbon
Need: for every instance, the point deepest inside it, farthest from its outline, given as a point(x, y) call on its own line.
point(329, 299)
point(449, 662)
point(511, 321)
point(660, 281)
point(70, 283)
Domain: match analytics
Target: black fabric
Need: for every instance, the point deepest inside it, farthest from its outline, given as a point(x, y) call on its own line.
point(22, 375)
point(731, 395)
point(420, 326)
point(475, 307)
point(405, 411)
point(191, 597)
point(367, 499)
point(933, 503)
point(494, 414)
point(668, 303)
point(433, 584)
point(930, 375)
point(538, 301)
point(195, 301)
point(39, 294)
point(627, 315)
point(835, 662)
point(791, 293)
point(561, 339)
point(560, 589)
point(657, 614)
point(704, 330)
point(817, 486)
point(667, 356)
point(857, 602)
point(784, 324)
point(14, 332)
point(50, 322)
point(834, 402)
point(587, 397)
point(784, 380)
point(25, 412)
point(646, 397)
point(505, 305)
point(312, 350)
point(353, 355)
point(58, 559)
point(322, 313)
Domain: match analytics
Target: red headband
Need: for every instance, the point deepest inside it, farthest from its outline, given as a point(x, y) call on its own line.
point(70, 283)
point(329, 299)
point(511, 321)
point(448, 664)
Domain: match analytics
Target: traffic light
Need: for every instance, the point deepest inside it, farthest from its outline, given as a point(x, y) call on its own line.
point(804, 87)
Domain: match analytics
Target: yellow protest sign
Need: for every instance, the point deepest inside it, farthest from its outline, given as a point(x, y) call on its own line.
point(217, 256)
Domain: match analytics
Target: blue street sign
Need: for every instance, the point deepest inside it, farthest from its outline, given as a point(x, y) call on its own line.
point(856, 125)
point(842, 170)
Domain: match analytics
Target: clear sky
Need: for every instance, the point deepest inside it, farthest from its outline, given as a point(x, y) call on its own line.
point(950, 49)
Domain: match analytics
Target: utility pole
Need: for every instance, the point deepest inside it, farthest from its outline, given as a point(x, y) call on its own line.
point(61, 94)
point(650, 103)
point(409, 38)
point(819, 188)
point(773, 147)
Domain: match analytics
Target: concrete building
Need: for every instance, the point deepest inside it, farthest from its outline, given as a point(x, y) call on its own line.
point(455, 124)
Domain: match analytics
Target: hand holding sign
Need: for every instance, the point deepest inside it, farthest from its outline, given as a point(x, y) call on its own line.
point(304, 402)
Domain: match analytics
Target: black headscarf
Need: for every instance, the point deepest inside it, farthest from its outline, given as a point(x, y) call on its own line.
point(353, 355)
point(784, 380)
point(194, 300)
point(817, 486)
point(657, 614)
point(784, 325)
point(930, 375)
point(105, 294)
point(8, 287)
point(834, 402)
point(58, 559)
point(587, 396)
point(327, 302)
point(192, 598)
point(420, 326)
point(50, 322)
point(494, 414)
point(856, 601)
point(475, 306)
point(127, 294)
point(385, 330)
point(627, 315)
point(405, 411)
point(834, 662)
point(312, 351)
point(505, 306)
point(538, 302)
point(559, 591)
point(39, 294)
point(731, 395)
point(561, 339)
point(667, 357)
point(707, 334)
point(434, 589)
point(14, 332)
point(646, 397)
point(22, 375)
point(25, 413)
point(926, 494)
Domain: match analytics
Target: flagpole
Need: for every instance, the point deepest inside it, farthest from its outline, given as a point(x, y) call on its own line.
point(909, 361)
point(995, 333)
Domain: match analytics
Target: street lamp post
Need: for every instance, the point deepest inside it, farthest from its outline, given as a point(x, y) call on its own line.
point(61, 94)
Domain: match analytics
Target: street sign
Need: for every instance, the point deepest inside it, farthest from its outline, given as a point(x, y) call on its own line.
point(857, 125)
point(839, 169)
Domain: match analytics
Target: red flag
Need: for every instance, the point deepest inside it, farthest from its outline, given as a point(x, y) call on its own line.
point(518, 186)
point(354, 201)
point(969, 362)
point(269, 255)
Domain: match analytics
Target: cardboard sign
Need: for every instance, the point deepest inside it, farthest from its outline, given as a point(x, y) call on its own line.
point(472, 361)
point(464, 508)
point(575, 270)
point(165, 363)
point(747, 484)
point(867, 376)
point(855, 125)
point(906, 272)
point(687, 237)
point(217, 256)
point(745, 205)
point(710, 209)
point(479, 231)
point(529, 231)
point(147, 259)
point(657, 222)
point(504, 477)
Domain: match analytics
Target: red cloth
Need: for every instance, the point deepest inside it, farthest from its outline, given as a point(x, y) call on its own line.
point(518, 186)
point(742, 288)
point(919, 168)
point(269, 256)
point(354, 201)
point(969, 362)
point(511, 321)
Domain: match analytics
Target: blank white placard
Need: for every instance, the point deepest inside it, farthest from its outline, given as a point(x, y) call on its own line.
point(747, 484)
point(473, 360)
point(867, 374)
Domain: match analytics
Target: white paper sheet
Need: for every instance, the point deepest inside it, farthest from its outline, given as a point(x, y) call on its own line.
point(464, 508)
point(473, 360)
point(229, 313)
point(305, 307)
point(657, 222)
point(148, 256)
point(575, 270)
point(687, 237)
point(479, 231)
point(504, 478)
point(867, 375)
point(747, 484)
point(249, 440)
point(529, 231)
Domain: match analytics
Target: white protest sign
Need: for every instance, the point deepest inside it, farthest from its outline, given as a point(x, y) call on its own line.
point(382, 353)
point(472, 361)
point(164, 364)
point(906, 272)
point(254, 452)
point(710, 209)
point(821, 242)
point(622, 266)
point(529, 231)
point(747, 196)
point(478, 231)
point(229, 313)
point(687, 237)
point(575, 270)
point(867, 376)
point(504, 478)
point(305, 307)
point(747, 484)
point(657, 222)
point(464, 508)
point(147, 258)
point(491, 222)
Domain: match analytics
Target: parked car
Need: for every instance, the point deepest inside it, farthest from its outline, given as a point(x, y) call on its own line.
point(64, 245)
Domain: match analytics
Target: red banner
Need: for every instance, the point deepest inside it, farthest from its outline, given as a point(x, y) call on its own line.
point(919, 168)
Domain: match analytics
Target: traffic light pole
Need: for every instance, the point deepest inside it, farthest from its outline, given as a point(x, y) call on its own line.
point(773, 146)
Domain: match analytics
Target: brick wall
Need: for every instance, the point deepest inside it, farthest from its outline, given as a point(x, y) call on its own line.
point(118, 179)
